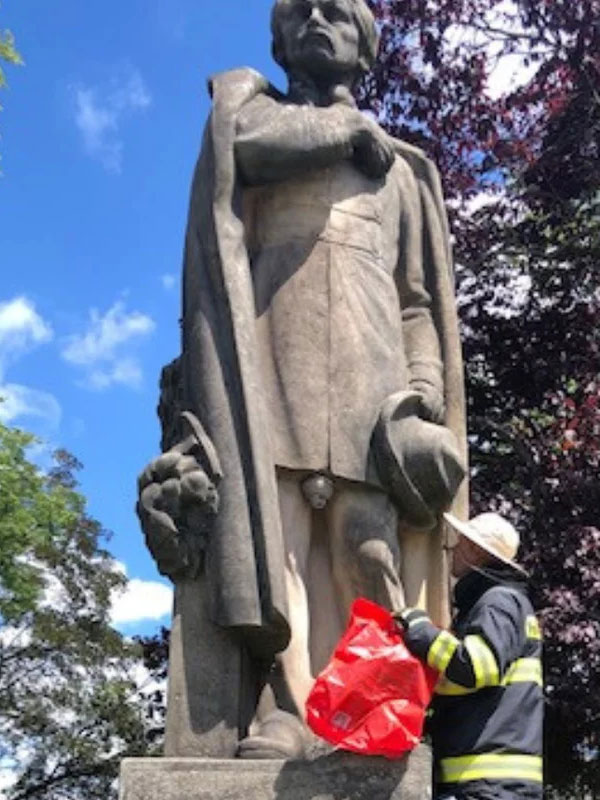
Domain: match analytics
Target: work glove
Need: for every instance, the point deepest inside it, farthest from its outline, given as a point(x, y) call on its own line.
point(407, 617)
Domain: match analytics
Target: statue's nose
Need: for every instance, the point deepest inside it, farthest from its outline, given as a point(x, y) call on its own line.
point(316, 16)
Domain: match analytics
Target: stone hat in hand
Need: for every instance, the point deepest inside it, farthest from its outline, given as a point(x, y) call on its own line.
point(418, 462)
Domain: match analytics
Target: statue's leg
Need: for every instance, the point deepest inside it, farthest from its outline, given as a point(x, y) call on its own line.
point(296, 519)
point(278, 730)
point(363, 529)
point(425, 572)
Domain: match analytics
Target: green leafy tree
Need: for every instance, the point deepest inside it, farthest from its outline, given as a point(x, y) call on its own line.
point(70, 707)
point(8, 53)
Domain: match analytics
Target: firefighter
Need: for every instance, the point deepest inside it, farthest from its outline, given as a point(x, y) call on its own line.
point(487, 716)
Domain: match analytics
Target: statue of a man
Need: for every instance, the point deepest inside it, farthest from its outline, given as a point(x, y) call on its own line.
point(320, 367)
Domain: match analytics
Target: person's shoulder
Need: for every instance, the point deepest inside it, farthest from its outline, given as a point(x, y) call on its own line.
point(509, 599)
point(416, 159)
point(239, 81)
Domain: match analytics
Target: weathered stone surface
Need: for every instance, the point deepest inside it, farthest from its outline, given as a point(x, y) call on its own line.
point(337, 776)
point(205, 663)
point(317, 294)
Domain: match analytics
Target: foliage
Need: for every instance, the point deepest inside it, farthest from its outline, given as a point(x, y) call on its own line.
point(520, 166)
point(23, 524)
point(441, 62)
point(155, 656)
point(69, 708)
point(534, 400)
point(8, 53)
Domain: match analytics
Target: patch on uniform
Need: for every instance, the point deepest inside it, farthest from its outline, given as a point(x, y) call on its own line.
point(532, 628)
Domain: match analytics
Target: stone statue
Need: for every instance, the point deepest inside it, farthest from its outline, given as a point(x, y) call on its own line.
point(314, 423)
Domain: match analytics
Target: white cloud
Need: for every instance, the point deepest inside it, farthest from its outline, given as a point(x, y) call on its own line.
point(168, 281)
point(125, 371)
point(22, 401)
point(8, 776)
point(106, 333)
point(138, 601)
point(141, 601)
point(22, 329)
point(104, 349)
point(100, 112)
point(14, 637)
point(19, 316)
point(509, 71)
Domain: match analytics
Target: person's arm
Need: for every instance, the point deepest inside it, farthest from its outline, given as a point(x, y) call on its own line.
point(493, 639)
point(421, 339)
point(277, 140)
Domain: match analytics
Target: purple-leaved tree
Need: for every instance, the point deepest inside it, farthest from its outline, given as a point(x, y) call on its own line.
point(520, 167)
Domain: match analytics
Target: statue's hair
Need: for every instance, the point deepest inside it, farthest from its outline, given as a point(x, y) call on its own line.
point(363, 18)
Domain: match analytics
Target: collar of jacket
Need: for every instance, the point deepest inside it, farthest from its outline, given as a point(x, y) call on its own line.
point(478, 580)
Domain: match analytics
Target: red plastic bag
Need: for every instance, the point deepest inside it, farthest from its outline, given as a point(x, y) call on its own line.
point(372, 696)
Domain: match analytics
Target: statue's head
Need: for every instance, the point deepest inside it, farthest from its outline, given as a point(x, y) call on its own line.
point(324, 37)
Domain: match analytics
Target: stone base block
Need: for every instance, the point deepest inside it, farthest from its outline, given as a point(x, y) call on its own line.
point(336, 776)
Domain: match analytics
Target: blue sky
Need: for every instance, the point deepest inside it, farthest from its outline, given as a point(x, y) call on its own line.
point(100, 132)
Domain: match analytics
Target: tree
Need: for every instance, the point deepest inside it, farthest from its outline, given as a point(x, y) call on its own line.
point(9, 54)
point(534, 398)
point(155, 655)
point(69, 704)
point(21, 529)
point(521, 169)
point(434, 80)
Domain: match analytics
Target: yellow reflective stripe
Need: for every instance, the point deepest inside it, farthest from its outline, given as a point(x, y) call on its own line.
point(532, 628)
point(484, 662)
point(491, 766)
point(441, 651)
point(524, 670)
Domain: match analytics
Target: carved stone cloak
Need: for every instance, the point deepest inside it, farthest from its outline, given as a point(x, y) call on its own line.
point(221, 373)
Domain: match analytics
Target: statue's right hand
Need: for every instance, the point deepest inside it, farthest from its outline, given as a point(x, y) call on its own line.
point(176, 503)
point(373, 149)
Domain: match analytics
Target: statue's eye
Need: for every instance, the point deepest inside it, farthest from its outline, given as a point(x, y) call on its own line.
point(334, 12)
point(302, 10)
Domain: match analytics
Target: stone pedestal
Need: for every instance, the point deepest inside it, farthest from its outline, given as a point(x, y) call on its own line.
point(336, 776)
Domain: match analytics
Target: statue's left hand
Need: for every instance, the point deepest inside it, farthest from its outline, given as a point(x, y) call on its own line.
point(431, 406)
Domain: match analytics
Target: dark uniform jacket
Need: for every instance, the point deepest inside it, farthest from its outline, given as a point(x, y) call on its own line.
point(488, 709)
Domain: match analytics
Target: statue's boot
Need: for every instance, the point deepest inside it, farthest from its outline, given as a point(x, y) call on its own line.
point(279, 735)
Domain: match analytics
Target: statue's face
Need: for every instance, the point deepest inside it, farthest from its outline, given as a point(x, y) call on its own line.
point(320, 37)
